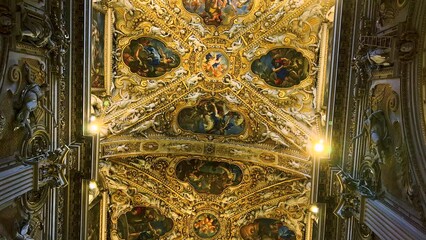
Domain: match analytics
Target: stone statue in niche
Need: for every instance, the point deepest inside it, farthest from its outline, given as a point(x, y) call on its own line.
point(36, 29)
point(24, 231)
point(375, 125)
point(358, 185)
point(385, 12)
point(379, 57)
point(363, 74)
point(31, 97)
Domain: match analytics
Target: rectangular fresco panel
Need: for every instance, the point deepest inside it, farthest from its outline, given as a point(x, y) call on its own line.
point(93, 220)
point(100, 49)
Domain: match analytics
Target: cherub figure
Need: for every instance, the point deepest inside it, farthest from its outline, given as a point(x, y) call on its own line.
point(31, 97)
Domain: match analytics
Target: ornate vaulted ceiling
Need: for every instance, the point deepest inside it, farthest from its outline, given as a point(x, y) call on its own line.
point(209, 119)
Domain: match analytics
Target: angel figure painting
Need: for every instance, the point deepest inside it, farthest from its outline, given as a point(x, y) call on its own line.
point(209, 177)
point(282, 67)
point(266, 228)
point(149, 57)
point(217, 12)
point(143, 223)
point(210, 116)
point(215, 64)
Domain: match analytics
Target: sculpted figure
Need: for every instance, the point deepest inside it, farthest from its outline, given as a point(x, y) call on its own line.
point(379, 57)
point(196, 23)
point(251, 53)
point(180, 48)
point(29, 101)
point(196, 43)
point(237, 44)
point(234, 29)
point(279, 141)
point(37, 32)
point(375, 126)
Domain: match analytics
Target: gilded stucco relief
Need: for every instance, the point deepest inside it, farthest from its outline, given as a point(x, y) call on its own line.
point(212, 115)
point(157, 182)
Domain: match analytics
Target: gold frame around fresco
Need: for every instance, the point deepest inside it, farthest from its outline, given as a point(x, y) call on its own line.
point(107, 50)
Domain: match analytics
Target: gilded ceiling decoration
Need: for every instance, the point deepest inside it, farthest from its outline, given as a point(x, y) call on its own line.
point(209, 123)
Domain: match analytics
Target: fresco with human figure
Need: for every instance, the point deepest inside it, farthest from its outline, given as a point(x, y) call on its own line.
point(143, 223)
point(215, 64)
point(97, 68)
point(218, 12)
point(282, 67)
point(266, 228)
point(149, 57)
point(211, 116)
point(209, 177)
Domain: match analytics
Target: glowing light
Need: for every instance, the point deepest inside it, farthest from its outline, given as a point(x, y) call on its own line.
point(319, 146)
point(92, 118)
point(314, 209)
point(94, 128)
point(93, 185)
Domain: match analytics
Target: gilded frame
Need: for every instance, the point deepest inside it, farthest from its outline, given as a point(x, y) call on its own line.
point(94, 219)
point(101, 49)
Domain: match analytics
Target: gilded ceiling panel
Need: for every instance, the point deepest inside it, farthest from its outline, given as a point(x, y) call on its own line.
point(184, 196)
point(213, 111)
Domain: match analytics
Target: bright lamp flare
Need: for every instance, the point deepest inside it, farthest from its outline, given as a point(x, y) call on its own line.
point(314, 209)
point(92, 185)
point(319, 147)
point(94, 128)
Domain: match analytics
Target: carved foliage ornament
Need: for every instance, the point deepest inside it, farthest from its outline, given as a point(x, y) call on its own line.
point(351, 196)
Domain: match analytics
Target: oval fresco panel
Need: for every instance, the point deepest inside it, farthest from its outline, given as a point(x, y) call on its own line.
point(266, 228)
point(143, 223)
point(211, 116)
point(206, 225)
point(217, 12)
point(282, 67)
point(209, 176)
point(149, 57)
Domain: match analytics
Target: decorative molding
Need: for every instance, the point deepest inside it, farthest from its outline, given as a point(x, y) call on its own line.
point(15, 182)
point(7, 21)
point(352, 196)
point(387, 224)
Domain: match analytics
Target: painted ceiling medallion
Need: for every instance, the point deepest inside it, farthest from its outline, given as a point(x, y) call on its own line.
point(218, 12)
point(206, 225)
point(149, 57)
point(266, 228)
point(215, 64)
point(211, 116)
point(143, 223)
point(282, 67)
point(209, 176)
